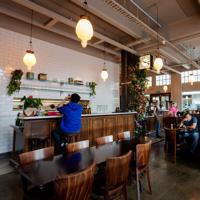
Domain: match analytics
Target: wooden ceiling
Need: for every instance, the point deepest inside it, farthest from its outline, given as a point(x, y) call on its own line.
point(118, 24)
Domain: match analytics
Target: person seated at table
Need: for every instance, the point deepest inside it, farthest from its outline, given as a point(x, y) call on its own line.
point(190, 123)
point(173, 110)
point(71, 120)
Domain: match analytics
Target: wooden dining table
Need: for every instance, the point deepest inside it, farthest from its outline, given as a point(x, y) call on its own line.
point(45, 171)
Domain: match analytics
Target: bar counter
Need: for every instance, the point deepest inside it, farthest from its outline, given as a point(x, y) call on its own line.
point(93, 126)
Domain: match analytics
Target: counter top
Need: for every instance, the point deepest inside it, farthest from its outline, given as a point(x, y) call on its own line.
point(84, 115)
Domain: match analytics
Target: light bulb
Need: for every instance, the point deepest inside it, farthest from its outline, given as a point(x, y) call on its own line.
point(158, 64)
point(29, 59)
point(104, 74)
point(84, 30)
point(165, 88)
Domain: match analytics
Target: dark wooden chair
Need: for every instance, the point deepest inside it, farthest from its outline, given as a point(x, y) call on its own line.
point(142, 165)
point(104, 140)
point(31, 192)
point(170, 142)
point(32, 156)
point(76, 186)
point(73, 147)
point(114, 181)
point(126, 135)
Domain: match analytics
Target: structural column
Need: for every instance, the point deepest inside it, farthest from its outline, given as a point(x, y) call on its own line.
point(176, 89)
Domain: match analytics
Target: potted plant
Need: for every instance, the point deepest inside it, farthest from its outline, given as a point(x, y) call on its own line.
point(15, 81)
point(92, 86)
point(31, 105)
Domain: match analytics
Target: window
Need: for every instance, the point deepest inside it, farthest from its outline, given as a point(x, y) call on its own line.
point(149, 79)
point(185, 76)
point(163, 80)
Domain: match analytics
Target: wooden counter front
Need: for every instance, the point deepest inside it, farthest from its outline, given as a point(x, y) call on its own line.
point(93, 126)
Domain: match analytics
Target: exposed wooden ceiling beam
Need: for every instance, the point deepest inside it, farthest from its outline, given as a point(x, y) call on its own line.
point(115, 5)
point(139, 41)
point(64, 20)
point(98, 42)
point(171, 69)
point(50, 23)
point(111, 17)
point(18, 16)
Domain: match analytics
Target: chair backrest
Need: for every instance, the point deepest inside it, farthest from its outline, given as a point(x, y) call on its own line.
point(104, 140)
point(124, 135)
point(32, 156)
point(143, 154)
point(77, 186)
point(76, 146)
point(170, 136)
point(117, 170)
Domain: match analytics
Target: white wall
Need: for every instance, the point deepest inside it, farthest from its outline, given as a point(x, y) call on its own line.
point(59, 63)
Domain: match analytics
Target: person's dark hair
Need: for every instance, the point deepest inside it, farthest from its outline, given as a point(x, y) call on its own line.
point(75, 98)
point(187, 113)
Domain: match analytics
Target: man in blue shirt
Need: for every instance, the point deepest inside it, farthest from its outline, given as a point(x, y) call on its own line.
point(71, 120)
point(190, 123)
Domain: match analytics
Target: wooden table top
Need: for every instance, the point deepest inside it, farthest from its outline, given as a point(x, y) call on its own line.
point(45, 171)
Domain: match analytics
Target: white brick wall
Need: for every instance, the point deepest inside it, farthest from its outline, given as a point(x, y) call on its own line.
point(59, 63)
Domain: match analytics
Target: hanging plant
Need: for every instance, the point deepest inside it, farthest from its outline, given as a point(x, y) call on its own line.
point(15, 81)
point(92, 86)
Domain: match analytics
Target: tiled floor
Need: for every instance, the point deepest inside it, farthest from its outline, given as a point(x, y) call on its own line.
point(180, 181)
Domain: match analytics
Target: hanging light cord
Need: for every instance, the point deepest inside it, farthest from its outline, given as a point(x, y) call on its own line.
point(85, 5)
point(157, 26)
point(104, 52)
point(31, 32)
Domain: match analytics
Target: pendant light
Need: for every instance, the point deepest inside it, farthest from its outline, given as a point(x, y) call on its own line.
point(29, 58)
point(84, 29)
point(165, 88)
point(104, 72)
point(148, 84)
point(158, 62)
point(191, 78)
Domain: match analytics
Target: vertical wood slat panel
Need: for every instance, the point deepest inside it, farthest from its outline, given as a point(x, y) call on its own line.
point(92, 127)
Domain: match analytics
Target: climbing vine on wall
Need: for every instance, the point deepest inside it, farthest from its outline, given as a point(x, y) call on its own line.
point(136, 90)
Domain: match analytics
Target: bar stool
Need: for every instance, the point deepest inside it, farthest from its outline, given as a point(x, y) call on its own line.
point(71, 137)
point(38, 141)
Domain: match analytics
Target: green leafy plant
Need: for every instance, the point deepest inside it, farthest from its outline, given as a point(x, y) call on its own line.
point(31, 102)
point(92, 86)
point(15, 81)
point(136, 90)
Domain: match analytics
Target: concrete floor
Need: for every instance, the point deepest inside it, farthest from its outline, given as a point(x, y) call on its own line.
point(180, 181)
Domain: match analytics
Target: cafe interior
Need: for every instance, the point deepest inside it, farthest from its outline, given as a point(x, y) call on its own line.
point(99, 99)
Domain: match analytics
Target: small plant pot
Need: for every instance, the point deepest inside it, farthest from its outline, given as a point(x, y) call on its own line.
point(30, 75)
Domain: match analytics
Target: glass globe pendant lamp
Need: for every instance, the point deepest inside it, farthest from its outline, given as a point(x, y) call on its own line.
point(84, 28)
point(158, 64)
point(29, 58)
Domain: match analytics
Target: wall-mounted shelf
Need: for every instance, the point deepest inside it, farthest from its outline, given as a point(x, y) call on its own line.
point(56, 86)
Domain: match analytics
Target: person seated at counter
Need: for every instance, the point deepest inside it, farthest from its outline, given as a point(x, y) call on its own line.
point(190, 122)
point(71, 120)
point(173, 110)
